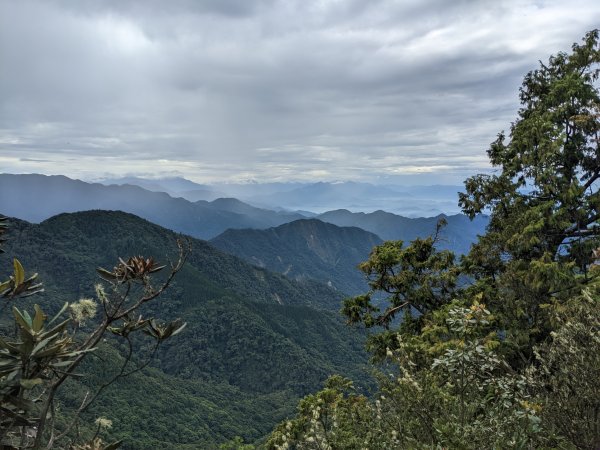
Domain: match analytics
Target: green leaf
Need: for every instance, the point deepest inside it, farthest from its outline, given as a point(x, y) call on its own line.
point(7, 345)
point(62, 310)
point(22, 321)
point(178, 330)
point(40, 345)
point(57, 329)
point(5, 285)
point(30, 383)
point(109, 276)
point(61, 363)
point(17, 419)
point(19, 272)
point(113, 445)
point(27, 317)
point(21, 403)
point(38, 319)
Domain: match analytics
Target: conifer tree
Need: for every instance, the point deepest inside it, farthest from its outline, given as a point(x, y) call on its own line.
point(544, 200)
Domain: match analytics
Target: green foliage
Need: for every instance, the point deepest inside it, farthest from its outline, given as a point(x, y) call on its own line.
point(37, 362)
point(466, 397)
point(416, 278)
point(325, 420)
point(544, 203)
point(544, 207)
point(509, 360)
point(19, 286)
point(27, 363)
point(236, 444)
point(567, 370)
point(238, 367)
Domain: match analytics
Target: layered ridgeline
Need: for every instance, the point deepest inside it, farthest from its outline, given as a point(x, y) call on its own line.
point(458, 235)
point(205, 220)
point(53, 195)
point(411, 201)
point(318, 249)
point(255, 341)
point(306, 249)
point(174, 186)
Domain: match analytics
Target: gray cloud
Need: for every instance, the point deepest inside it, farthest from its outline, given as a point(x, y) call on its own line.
point(268, 90)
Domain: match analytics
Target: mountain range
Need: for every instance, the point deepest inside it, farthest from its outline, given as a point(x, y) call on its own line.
point(458, 234)
point(410, 201)
point(38, 197)
point(255, 341)
point(306, 249)
point(263, 325)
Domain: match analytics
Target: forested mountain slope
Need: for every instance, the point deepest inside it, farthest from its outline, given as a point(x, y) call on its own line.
point(304, 249)
point(254, 343)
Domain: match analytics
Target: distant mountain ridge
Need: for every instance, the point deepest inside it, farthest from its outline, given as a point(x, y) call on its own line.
point(38, 197)
point(458, 235)
point(174, 186)
point(306, 248)
point(410, 201)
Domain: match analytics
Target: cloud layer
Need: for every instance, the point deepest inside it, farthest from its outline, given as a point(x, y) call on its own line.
point(269, 89)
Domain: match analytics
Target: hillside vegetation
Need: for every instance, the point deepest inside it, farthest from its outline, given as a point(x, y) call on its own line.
point(254, 342)
point(305, 249)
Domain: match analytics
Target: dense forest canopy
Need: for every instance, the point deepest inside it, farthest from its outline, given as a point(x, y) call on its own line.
point(238, 368)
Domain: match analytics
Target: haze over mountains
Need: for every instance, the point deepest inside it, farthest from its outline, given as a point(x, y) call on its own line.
point(457, 235)
point(207, 218)
point(409, 201)
point(37, 197)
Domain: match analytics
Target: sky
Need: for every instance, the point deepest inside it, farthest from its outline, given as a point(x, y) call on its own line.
point(409, 91)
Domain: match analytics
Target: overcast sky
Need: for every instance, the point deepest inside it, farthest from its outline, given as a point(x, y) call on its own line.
point(269, 90)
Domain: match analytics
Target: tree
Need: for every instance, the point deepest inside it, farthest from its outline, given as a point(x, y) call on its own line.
point(567, 368)
point(416, 279)
point(544, 202)
point(544, 207)
point(45, 353)
point(464, 398)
